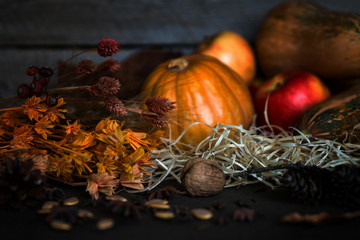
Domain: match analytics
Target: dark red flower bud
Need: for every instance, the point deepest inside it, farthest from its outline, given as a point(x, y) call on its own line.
point(43, 81)
point(31, 71)
point(24, 91)
point(51, 101)
point(107, 47)
point(37, 87)
point(46, 72)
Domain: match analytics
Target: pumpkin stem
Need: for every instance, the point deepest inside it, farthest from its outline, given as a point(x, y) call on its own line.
point(178, 64)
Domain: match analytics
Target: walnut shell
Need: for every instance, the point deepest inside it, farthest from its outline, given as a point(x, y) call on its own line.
point(202, 177)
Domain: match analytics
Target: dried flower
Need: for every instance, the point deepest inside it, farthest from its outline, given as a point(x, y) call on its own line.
point(107, 47)
point(34, 107)
point(41, 127)
point(101, 182)
point(115, 106)
point(85, 67)
point(24, 91)
point(46, 72)
point(110, 65)
point(31, 71)
point(159, 104)
point(159, 120)
point(73, 128)
point(105, 86)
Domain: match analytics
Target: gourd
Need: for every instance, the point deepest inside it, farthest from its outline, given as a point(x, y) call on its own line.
point(336, 118)
point(299, 35)
point(205, 90)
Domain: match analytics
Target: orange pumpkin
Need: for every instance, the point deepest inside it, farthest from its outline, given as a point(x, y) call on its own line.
point(205, 90)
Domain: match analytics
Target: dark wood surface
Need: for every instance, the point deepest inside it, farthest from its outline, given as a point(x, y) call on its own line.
point(43, 32)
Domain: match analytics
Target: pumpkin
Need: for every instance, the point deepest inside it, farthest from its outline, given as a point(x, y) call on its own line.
point(302, 35)
point(336, 118)
point(205, 90)
point(232, 49)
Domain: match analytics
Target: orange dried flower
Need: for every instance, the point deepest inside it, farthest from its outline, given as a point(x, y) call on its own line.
point(136, 181)
point(73, 128)
point(34, 107)
point(101, 182)
point(54, 113)
point(41, 127)
point(62, 166)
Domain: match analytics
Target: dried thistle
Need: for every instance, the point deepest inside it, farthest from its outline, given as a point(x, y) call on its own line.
point(110, 65)
point(85, 67)
point(107, 86)
point(107, 47)
point(159, 105)
point(115, 106)
point(158, 120)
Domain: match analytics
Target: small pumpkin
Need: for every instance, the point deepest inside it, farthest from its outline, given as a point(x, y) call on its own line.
point(307, 36)
point(205, 90)
point(335, 118)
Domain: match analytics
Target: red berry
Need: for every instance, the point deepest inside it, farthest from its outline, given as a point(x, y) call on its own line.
point(24, 91)
point(32, 70)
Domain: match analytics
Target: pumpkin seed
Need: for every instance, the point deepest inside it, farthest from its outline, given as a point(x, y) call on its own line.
point(202, 213)
point(115, 198)
point(83, 213)
point(71, 201)
point(156, 201)
point(60, 225)
point(105, 223)
point(164, 214)
point(49, 204)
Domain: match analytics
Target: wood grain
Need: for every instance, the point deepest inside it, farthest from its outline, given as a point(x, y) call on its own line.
point(42, 32)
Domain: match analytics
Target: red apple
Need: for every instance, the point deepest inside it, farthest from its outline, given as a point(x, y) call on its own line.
point(233, 50)
point(289, 95)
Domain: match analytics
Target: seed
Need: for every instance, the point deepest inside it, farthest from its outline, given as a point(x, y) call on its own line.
point(44, 210)
point(83, 213)
point(164, 215)
point(156, 201)
point(71, 201)
point(105, 223)
point(60, 225)
point(202, 213)
point(115, 198)
point(49, 204)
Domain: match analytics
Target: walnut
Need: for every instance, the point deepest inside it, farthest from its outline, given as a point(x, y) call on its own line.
point(202, 177)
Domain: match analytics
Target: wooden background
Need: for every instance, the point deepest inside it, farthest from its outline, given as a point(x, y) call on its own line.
point(43, 32)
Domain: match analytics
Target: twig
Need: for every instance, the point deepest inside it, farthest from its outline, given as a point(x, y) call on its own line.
point(255, 170)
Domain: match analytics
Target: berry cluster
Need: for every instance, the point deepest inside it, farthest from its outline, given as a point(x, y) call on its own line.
point(38, 87)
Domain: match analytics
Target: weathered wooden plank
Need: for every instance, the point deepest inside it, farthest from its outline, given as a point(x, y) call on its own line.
point(84, 22)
